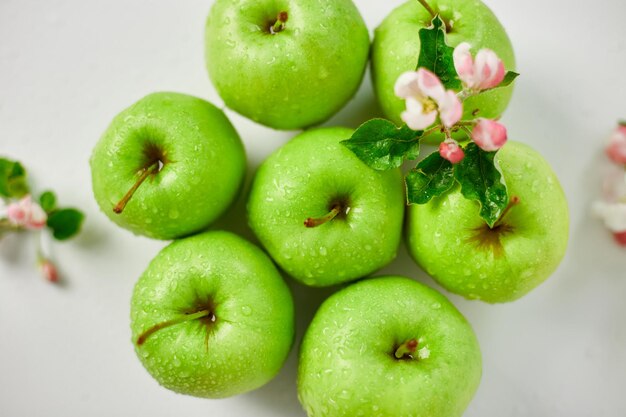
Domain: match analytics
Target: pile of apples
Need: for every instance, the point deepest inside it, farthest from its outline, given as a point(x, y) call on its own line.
point(212, 317)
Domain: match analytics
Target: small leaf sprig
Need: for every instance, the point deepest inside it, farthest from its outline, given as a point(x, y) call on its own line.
point(19, 212)
point(445, 77)
point(612, 208)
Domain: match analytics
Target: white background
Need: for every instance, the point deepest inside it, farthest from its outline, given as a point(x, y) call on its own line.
point(68, 66)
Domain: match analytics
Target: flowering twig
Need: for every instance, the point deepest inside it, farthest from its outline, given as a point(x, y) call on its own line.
point(19, 212)
point(434, 95)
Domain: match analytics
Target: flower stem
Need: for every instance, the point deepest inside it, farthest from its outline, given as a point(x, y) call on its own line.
point(314, 222)
point(187, 317)
point(144, 174)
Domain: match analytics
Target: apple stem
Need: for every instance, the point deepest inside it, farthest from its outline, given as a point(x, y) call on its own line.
point(144, 174)
point(187, 317)
point(512, 203)
point(432, 12)
point(407, 349)
point(427, 7)
point(281, 20)
point(314, 222)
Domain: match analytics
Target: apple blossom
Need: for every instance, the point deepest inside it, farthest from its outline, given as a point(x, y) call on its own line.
point(489, 135)
point(450, 150)
point(426, 98)
point(485, 72)
point(26, 213)
point(616, 149)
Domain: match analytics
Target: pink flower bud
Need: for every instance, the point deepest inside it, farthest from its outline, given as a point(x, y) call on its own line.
point(489, 135)
point(49, 271)
point(26, 213)
point(620, 238)
point(616, 149)
point(450, 150)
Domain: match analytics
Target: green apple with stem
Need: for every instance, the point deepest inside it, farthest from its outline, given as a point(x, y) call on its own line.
point(212, 317)
point(322, 214)
point(167, 166)
point(388, 347)
point(287, 64)
point(396, 49)
point(452, 243)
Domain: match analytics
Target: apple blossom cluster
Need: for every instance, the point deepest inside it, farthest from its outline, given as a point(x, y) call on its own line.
point(612, 208)
point(427, 99)
point(19, 212)
point(434, 96)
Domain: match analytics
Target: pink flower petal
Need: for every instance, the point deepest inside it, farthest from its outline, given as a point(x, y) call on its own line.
point(489, 135)
point(464, 64)
point(27, 214)
point(450, 150)
point(430, 84)
point(489, 69)
point(450, 109)
point(616, 149)
point(37, 217)
point(15, 213)
point(407, 85)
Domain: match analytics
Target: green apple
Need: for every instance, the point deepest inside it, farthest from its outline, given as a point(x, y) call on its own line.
point(388, 347)
point(167, 166)
point(450, 241)
point(396, 49)
point(287, 64)
point(212, 317)
point(322, 214)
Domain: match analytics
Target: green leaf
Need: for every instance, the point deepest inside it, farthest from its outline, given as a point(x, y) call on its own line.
point(436, 55)
point(482, 181)
point(13, 182)
point(509, 77)
point(382, 145)
point(432, 177)
point(48, 201)
point(65, 223)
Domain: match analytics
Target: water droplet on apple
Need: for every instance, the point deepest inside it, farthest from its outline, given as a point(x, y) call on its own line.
point(176, 362)
point(246, 310)
point(436, 306)
point(231, 43)
point(174, 214)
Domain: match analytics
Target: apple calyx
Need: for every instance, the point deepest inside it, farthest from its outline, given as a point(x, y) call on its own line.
point(314, 222)
point(144, 173)
point(279, 25)
point(206, 313)
point(407, 350)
